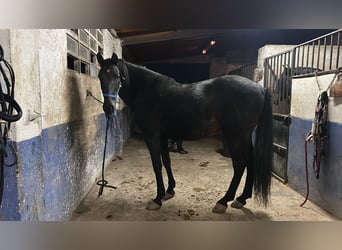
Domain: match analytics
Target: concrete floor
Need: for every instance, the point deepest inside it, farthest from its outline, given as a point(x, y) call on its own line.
point(202, 177)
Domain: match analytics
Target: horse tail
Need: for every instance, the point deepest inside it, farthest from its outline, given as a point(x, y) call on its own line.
point(263, 152)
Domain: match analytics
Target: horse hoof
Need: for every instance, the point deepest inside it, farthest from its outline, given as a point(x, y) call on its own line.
point(219, 208)
point(168, 196)
point(237, 204)
point(151, 205)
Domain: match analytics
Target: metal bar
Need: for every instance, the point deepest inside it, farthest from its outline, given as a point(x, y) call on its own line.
point(302, 56)
point(331, 51)
point(273, 80)
point(286, 79)
point(265, 74)
point(278, 81)
point(338, 48)
point(313, 55)
point(295, 61)
point(283, 180)
point(318, 53)
point(269, 74)
point(307, 56)
point(279, 149)
point(281, 80)
point(273, 74)
point(289, 84)
point(286, 119)
point(325, 52)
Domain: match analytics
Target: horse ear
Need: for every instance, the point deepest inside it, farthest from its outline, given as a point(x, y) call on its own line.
point(100, 59)
point(114, 59)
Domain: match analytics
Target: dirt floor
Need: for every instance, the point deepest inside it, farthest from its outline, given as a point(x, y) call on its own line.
point(202, 177)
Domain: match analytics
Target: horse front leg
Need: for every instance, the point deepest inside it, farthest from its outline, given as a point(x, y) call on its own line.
point(170, 193)
point(153, 144)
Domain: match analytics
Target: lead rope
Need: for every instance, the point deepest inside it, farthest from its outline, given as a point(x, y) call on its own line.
point(317, 134)
point(103, 183)
point(113, 119)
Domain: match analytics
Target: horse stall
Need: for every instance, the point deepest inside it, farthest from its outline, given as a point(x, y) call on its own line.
point(201, 175)
point(57, 146)
point(58, 143)
point(296, 77)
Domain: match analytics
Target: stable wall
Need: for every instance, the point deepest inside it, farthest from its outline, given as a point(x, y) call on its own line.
point(327, 190)
point(60, 138)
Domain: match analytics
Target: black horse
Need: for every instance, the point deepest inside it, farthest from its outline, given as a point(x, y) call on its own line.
point(164, 109)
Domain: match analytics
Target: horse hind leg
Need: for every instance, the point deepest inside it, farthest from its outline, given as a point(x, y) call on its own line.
point(153, 145)
point(248, 189)
point(238, 154)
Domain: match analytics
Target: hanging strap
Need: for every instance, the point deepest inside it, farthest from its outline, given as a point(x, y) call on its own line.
point(317, 134)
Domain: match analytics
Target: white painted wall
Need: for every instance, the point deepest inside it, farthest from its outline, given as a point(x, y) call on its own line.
point(304, 98)
point(24, 50)
point(44, 84)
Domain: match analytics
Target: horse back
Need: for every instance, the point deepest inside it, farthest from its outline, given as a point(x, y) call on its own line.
point(202, 109)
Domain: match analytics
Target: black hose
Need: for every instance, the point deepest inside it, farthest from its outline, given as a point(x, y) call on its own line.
point(9, 116)
point(10, 111)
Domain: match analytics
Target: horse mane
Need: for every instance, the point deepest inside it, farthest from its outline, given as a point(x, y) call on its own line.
point(148, 75)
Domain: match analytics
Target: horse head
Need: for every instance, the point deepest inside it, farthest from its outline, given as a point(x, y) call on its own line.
point(111, 80)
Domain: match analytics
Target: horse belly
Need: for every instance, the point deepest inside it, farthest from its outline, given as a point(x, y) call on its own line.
point(188, 129)
point(210, 128)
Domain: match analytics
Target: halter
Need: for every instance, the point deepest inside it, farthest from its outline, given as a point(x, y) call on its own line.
point(115, 97)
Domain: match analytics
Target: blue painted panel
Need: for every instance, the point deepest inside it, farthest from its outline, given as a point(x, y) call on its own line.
point(30, 179)
point(56, 169)
point(22, 195)
point(9, 209)
point(71, 164)
point(327, 190)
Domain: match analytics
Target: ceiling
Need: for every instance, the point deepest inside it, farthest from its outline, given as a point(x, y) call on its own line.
point(144, 46)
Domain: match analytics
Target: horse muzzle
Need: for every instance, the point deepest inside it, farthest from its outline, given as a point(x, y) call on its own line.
point(109, 106)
